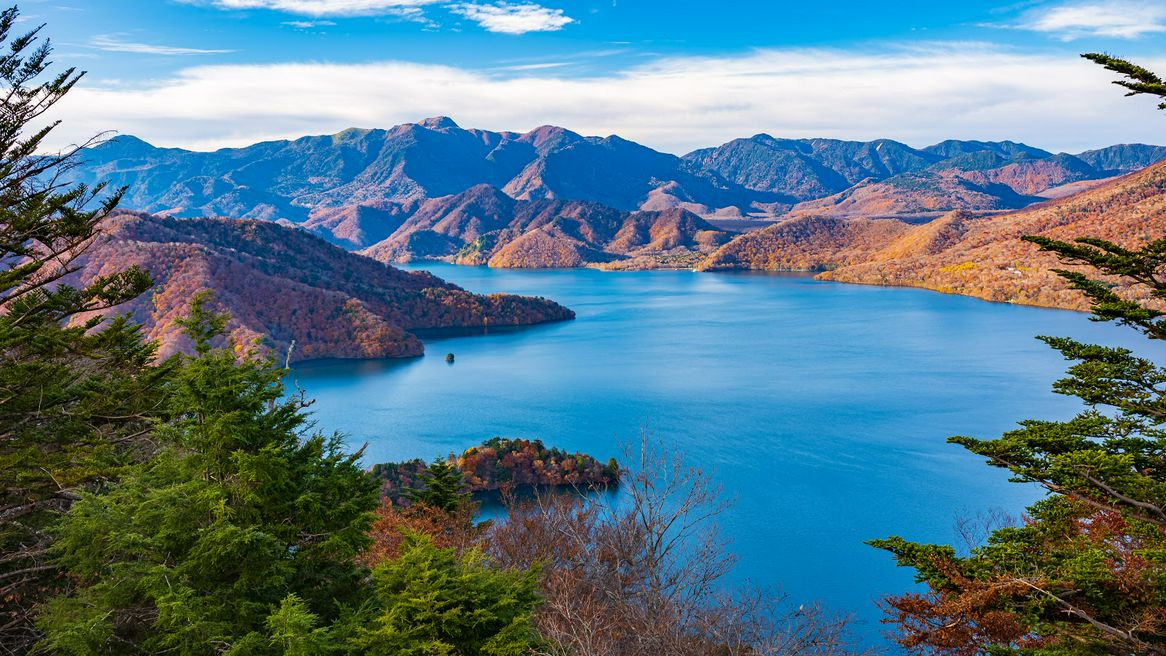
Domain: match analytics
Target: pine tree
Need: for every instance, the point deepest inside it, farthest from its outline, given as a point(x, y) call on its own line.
point(443, 488)
point(1138, 80)
point(76, 392)
point(433, 602)
point(242, 529)
point(1085, 573)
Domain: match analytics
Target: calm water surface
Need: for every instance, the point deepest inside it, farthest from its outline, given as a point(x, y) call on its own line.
point(822, 407)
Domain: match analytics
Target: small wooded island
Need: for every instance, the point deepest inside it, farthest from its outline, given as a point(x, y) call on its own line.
point(505, 464)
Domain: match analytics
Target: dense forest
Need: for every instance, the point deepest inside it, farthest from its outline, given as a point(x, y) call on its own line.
point(186, 505)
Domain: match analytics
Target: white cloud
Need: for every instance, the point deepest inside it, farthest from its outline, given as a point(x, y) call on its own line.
point(533, 67)
point(307, 25)
point(111, 43)
point(1112, 18)
point(919, 94)
point(510, 18)
point(323, 7)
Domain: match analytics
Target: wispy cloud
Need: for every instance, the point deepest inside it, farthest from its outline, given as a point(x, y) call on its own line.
point(321, 7)
point(503, 17)
point(510, 18)
point(971, 91)
point(533, 67)
point(1107, 18)
point(112, 43)
point(307, 24)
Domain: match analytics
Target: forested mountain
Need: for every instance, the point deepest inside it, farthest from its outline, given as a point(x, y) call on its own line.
point(808, 169)
point(390, 189)
point(1124, 157)
point(282, 285)
point(961, 252)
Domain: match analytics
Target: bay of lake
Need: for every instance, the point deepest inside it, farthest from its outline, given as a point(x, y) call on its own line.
point(822, 408)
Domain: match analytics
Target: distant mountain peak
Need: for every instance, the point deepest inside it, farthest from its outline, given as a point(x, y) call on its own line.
point(785, 143)
point(127, 139)
point(550, 134)
point(125, 144)
point(438, 123)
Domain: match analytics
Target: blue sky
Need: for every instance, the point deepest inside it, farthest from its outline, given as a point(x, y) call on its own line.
point(674, 75)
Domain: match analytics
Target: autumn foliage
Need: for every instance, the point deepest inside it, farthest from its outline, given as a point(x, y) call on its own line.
point(1069, 573)
point(282, 285)
point(395, 522)
point(961, 253)
point(505, 464)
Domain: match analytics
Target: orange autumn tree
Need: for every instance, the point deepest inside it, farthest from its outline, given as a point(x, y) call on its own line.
point(438, 505)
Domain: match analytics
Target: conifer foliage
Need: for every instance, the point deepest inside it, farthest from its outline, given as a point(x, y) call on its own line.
point(1138, 80)
point(442, 487)
point(433, 601)
point(241, 519)
point(76, 392)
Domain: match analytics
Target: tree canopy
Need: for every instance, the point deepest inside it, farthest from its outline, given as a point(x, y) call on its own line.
point(78, 393)
point(240, 509)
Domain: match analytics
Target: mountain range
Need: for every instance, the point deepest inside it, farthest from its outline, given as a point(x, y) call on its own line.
point(551, 197)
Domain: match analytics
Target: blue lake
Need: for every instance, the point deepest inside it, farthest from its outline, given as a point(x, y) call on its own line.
point(823, 408)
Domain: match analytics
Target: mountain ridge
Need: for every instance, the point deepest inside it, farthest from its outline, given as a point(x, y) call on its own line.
point(551, 197)
point(759, 176)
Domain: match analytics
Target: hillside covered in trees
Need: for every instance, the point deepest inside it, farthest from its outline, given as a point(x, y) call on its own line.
point(485, 226)
point(959, 252)
point(282, 285)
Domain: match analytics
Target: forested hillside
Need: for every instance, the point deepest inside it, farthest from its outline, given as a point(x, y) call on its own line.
point(282, 286)
point(961, 253)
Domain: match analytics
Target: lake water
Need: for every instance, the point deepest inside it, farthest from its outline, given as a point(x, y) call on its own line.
point(822, 407)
